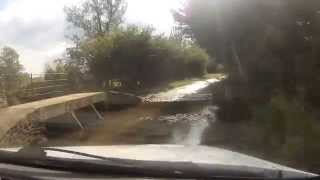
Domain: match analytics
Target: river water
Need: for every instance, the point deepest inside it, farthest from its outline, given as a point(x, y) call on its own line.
point(170, 123)
point(177, 123)
point(196, 125)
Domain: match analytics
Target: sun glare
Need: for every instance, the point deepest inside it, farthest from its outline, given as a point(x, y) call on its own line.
point(153, 12)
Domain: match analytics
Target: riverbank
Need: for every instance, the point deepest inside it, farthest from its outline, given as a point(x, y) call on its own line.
point(277, 129)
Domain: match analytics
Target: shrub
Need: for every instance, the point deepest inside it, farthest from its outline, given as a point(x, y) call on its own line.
point(134, 54)
point(290, 132)
point(197, 60)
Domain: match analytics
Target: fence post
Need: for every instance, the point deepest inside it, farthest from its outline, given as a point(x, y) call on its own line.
point(40, 87)
point(3, 98)
point(31, 84)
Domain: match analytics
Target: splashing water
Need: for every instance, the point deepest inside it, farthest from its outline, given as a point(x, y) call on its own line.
point(178, 93)
point(191, 133)
point(196, 130)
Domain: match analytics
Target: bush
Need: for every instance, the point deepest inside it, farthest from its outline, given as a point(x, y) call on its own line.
point(290, 132)
point(197, 60)
point(135, 55)
point(235, 110)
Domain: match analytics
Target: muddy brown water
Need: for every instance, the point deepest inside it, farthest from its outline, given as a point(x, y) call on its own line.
point(170, 123)
point(182, 123)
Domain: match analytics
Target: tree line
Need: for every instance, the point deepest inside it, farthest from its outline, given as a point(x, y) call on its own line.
point(270, 46)
point(133, 54)
point(12, 76)
point(270, 50)
point(107, 49)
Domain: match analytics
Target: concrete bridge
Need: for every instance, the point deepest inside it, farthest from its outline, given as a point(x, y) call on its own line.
point(14, 120)
point(43, 110)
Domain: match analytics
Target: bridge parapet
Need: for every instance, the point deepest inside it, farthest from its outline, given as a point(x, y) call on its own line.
point(40, 111)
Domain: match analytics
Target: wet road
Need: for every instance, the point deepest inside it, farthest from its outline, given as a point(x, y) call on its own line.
point(164, 124)
point(172, 123)
point(179, 93)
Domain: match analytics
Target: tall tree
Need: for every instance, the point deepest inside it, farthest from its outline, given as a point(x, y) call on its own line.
point(10, 66)
point(96, 17)
point(266, 41)
point(10, 71)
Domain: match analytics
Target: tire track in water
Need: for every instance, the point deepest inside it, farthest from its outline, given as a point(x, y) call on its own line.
point(189, 128)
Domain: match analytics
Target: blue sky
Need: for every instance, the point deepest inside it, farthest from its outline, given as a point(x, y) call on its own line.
point(36, 28)
point(3, 4)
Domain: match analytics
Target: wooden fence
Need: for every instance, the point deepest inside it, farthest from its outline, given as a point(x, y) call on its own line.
point(3, 98)
point(36, 87)
point(42, 86)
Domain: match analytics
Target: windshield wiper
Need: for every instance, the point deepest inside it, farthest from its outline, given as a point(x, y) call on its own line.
point(73, 152)
point(136, 168)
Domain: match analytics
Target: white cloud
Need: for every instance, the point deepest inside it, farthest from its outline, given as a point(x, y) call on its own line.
point(36, 28)
point(154, 12)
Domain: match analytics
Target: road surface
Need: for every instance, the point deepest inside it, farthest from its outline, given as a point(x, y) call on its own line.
point(179, 93)
point(173, 124)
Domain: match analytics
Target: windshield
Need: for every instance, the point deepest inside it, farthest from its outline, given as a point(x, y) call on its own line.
point(237, 75)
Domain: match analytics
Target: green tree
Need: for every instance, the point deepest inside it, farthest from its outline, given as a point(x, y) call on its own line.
point(133, 54)
point(96, 17)
point(277, 44)
point(196, 59)
point(271, 44)
point(56, 70)
point(10, 68)
point(10, 72)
